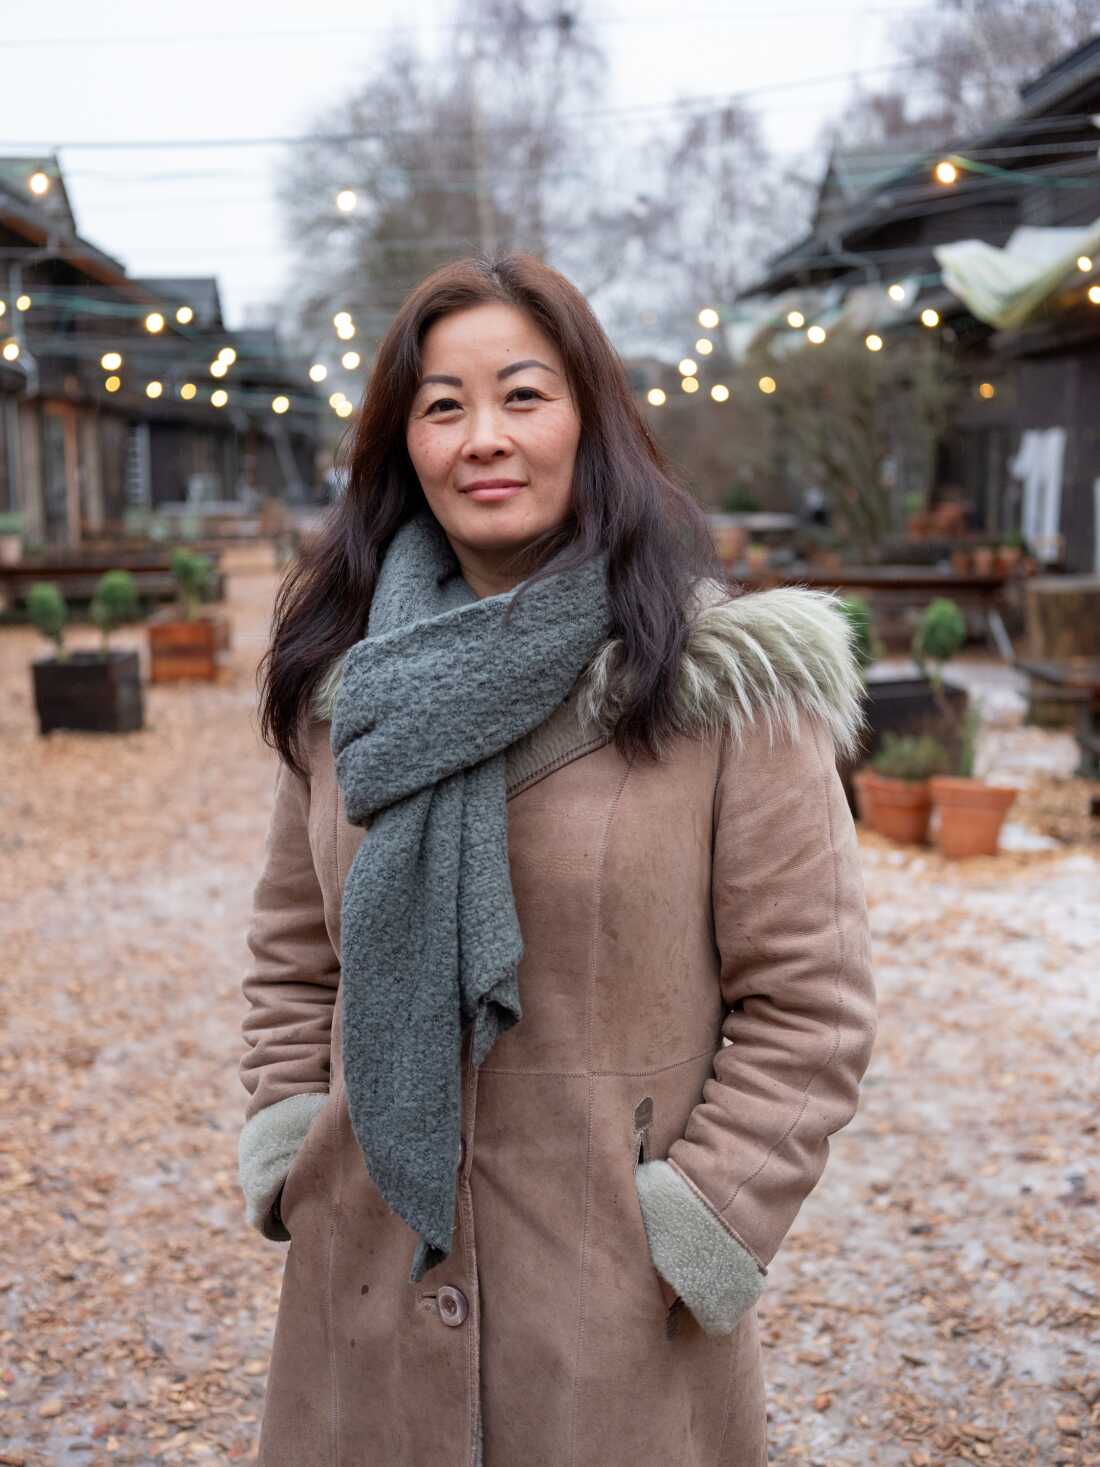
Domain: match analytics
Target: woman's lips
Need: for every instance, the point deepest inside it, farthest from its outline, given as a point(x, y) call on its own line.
point(503, 493)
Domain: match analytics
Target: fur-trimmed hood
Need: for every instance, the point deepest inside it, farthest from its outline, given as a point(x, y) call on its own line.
point(765, 654)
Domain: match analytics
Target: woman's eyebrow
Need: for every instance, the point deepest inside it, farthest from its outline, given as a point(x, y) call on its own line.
point(504, 372)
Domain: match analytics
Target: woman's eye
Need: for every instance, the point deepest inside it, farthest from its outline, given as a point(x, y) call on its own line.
point(447, 403)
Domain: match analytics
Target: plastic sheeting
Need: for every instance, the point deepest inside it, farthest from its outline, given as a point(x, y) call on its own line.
point(1004, 286)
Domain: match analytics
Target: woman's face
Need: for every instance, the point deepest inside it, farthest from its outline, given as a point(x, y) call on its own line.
point(493, 404)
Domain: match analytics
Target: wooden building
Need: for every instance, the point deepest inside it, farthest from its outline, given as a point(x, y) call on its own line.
point(84, 438)
point(1031, 183)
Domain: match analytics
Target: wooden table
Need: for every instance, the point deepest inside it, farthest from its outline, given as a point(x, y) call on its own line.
point(1079, 679)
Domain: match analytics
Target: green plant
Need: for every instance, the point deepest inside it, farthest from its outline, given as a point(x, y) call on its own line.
point(857, 610)
point(48, 612)
point(115, 601)
point(910, 756)
point(939, 634)
point(193, 575)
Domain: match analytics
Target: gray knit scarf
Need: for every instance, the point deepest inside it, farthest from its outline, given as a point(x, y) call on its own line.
point(428, 703)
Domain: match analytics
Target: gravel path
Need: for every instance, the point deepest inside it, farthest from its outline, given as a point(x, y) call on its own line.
point(937, 1301)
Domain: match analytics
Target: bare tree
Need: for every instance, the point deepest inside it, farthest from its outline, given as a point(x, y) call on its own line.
point(961, 65)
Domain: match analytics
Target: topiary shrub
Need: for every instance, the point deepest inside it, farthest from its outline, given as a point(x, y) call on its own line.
point(193, 573)
point(48, 612)
point(939, 634)
point(115, 601)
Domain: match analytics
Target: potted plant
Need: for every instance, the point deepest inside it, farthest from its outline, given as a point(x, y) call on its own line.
point(89, 691)
point(184, 642)
point(11, 538)
point(970, 812)
point(901, 804)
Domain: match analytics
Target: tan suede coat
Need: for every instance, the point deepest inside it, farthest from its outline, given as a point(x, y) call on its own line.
point(698, 1011)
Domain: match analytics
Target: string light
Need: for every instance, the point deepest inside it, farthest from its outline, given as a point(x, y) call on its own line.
point(39, 182)
point(110, 361)
point(1084, 263)
point(154, 322)
point(318, 372)
point(986, 390)
point(687, 367)
point(219, 398)
point(896, 293)
point(873, 342)
point(227, 355)
point(720, 392)
point(11, 351)
point(656, 397)
point(280, 404)
point(336, 399)
point(187, 391)
point(796, 319)
point(345, 331)
point(689, 384)
point(342, 318)
point(218, 368)
point(816, 335)
point(946, 172)
point(350, 360)
point(929, 317)
point(708, 318)
point(22, 303)
point(766, 385)
point(1094, 294)
point(153, 389)
point(346, 200)
point(704, 346)
point(3, 308)
point(184, 314)
point(112, 384)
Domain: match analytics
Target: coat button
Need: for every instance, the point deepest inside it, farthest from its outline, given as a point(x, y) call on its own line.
point(451, 1304)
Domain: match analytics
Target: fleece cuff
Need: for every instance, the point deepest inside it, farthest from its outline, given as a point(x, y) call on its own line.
point(267, 1145)
point(693, 1250)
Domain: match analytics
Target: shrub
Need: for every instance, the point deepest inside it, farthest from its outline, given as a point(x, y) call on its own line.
point(193, 575)
point(48, 612)
point(940, 632)
point(910, 756)
point(115, 601)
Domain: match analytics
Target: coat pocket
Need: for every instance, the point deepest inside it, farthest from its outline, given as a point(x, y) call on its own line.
point(643, 1124)
point(306, 1165)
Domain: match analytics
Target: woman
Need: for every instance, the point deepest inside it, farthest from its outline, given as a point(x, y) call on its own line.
point(560, 975)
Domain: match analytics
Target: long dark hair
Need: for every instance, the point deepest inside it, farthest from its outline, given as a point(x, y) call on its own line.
point(625, 501)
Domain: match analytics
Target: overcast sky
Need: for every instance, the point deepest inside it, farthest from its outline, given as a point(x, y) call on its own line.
point(127, 72)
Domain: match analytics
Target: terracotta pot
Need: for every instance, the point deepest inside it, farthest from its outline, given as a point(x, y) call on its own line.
point(983, 560)
point(960, 562)
point(1008, 559)
point(863, 783)
point(900, 808)
point(971, 815)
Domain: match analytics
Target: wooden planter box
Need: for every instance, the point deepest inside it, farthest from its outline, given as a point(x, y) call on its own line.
point(187, 650)
point(89, 693)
